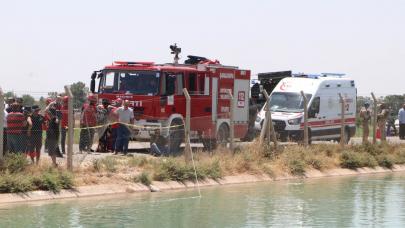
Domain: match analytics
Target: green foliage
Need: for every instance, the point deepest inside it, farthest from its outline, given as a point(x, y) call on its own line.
point(14, 163)
point(108, 163)
point(179, 171)
point(15, 183)
point(386, 160)
point(49, 180)
point(354, 159)
point(297, 167)
point(28, 100)
point(144, 178)
point(79, 91)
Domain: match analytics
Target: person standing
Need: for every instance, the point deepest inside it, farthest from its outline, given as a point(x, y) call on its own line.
point(52, 135)
point(5, 131)
point(125, 117)
point(16, 123)
point(113, 118)
point(88, 121)
point(401, 119)
point(382, 120)
point(365, 116)
point(64, 123)
point(35, 134)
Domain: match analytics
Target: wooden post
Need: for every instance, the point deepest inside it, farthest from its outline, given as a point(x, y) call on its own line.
point(231, 121)
point(187, 149)
point(374, 118)
point(71, 125)
point(1, 123)
point(271, 131)
point(305, 118)
point(264, 127)
point(342, 121)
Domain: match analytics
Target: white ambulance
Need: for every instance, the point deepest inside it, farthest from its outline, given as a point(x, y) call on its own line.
point(324, 107)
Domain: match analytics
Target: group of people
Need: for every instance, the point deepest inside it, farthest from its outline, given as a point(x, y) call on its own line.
point(383, 117)
point(112, 123)
point(24, 127)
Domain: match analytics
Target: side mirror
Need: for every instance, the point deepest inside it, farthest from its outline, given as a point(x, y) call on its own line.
point(93, 82)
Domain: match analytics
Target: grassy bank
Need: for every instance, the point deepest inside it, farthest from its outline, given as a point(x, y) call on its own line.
point(293, 160)
point(289, 160)
point(17, 176)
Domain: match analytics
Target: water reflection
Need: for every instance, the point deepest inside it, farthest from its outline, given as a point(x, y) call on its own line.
point(375, 200)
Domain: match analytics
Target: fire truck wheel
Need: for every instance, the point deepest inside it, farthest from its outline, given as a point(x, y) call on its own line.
point(176, 136)
point(223, 135)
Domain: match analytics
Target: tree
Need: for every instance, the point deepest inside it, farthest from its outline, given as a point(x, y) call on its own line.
point(28, 100)
point(42, 102)
point(79, 91)
point(394, 102)
point(9, 94)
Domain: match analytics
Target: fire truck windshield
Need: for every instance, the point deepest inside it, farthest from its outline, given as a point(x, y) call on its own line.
point(287, 102)
point(130, 82)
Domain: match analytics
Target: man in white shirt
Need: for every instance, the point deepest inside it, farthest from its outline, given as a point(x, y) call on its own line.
point(125, 118)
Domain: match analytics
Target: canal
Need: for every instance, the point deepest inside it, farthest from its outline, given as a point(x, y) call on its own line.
point(356, 201)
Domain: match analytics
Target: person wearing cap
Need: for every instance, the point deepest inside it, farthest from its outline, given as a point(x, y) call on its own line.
point(64, 123)
point(88, 121)
point(382, 120)
point(125, 117)
point(16, 123)
point(35, 134)
point(365, 116)
point(401, 119)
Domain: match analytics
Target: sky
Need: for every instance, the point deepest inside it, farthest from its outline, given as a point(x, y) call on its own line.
point(45, 45)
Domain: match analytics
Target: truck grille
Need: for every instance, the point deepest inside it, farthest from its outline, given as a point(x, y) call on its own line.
point(279, 125)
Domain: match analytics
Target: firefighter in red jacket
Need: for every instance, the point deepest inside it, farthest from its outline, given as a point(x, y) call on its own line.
point(88, 121)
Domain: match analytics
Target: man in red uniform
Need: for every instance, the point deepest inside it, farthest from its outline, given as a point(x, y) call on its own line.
point(64, 122)
point(16, 123)
point(88, 120)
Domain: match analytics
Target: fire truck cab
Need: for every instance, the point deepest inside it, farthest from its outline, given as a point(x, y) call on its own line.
point(156, 95)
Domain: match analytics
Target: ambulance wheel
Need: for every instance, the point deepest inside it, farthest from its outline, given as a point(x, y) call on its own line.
point(176, 136)
point(223, 135)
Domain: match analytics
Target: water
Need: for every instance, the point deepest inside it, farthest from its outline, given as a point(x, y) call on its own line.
point(361, 201)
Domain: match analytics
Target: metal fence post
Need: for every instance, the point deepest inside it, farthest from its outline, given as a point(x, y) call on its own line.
point(374, 118)
point(342, 121)
point(187, 149)
point(231, 122)
point(71, 124)
point(305, 118)
point(1, 123)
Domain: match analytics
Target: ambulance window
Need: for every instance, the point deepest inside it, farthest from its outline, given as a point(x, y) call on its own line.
point(314, 109)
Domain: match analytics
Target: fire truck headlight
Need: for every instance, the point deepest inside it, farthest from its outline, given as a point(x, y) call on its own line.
point(295, 121)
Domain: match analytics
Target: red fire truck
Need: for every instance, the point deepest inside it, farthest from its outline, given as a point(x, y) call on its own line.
point(156, 94)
